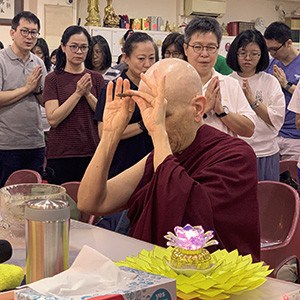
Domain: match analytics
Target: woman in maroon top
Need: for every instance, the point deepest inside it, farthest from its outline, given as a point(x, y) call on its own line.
point(70, 98)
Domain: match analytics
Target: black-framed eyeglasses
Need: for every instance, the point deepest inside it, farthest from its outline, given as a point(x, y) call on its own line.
point(198, 48)
point(252, 55)
point(273, 50)
point(25, 32)
point(75, 48)
point(174, 54)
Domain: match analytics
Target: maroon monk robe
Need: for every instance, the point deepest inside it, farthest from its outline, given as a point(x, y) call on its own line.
point(212, 183)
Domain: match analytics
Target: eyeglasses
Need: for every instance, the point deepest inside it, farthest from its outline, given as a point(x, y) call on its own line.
point(252, 55)
point(198, 48)
point(174, 54)
point(75, 48)
point(25, 32)
point(274, 50)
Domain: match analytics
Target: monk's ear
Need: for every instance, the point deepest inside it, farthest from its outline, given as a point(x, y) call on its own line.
point(199, 107)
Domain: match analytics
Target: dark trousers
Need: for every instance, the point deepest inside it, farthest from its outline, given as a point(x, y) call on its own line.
point(60, 170)
point(13, 160)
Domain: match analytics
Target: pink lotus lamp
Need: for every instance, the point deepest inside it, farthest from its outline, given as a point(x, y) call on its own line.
point(189, 247)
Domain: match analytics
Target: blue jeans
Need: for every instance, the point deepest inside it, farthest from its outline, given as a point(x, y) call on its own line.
point(13, 160)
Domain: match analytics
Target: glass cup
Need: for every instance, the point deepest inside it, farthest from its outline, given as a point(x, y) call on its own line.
point(12, 205)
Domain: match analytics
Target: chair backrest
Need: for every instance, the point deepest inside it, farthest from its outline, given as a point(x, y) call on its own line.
point(278, 212)
point(279, 206)
point(289, 165)
point(72, 190)
point(23, 176)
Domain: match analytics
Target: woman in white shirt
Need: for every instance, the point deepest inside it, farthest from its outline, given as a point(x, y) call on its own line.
point(248, 57)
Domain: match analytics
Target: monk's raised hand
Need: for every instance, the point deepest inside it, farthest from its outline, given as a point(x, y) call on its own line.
point(118, 110)
point(152, 103)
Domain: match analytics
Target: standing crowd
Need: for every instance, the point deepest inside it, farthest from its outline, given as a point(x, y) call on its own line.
point(154, 143)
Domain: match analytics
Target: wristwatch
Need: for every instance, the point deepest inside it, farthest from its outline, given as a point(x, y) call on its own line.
point(224, 113)
point(288, 86)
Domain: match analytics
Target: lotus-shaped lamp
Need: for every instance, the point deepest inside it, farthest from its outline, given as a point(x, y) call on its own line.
point(189, 244)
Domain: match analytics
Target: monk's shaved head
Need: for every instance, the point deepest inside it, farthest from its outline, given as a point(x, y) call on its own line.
point(182, 80)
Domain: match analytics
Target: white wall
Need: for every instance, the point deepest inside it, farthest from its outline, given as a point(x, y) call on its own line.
point(249, 10)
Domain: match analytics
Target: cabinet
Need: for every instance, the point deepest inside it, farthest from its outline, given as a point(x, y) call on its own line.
point(114, 38)
point(294, 24)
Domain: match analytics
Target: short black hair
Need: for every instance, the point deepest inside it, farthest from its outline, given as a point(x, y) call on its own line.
point(241, 41)
point(27, 15)
point(203, 25)
point(1, 45)
point(104, 47)
point(278, 31)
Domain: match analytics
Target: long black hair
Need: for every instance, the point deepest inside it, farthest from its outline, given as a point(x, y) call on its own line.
point(45, 49)
point(104, 47)
point(61, 56)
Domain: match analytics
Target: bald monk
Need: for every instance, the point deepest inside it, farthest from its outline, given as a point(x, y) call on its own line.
point(196, 174)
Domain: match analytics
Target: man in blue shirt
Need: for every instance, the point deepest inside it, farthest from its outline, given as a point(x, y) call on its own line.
point(285, 66)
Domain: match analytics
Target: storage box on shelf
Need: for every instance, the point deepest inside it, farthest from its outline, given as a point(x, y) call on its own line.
point(234, 28)
point(294, 24)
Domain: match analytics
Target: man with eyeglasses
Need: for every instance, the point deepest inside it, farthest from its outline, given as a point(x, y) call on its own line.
point(22, 77)
point(285, 66)
point(227, 108)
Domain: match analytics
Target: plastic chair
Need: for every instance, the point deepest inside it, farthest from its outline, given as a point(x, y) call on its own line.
point(23, 176)
point(279, 206)
point(72, 190)
point(289, 165)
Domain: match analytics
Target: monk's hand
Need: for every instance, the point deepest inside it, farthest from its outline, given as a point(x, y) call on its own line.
point(152, 104)
point(84, 85)
point(280, 75)
point(211, 94)
point(117, 111)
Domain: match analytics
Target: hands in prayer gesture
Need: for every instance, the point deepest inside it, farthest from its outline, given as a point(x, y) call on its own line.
point(33, 80)
point(247, 91)
point(213, 95)
point(280, 75)
point(84, 85)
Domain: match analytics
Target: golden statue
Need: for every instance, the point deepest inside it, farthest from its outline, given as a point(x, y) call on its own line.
point(110, 18)
point(93, 18)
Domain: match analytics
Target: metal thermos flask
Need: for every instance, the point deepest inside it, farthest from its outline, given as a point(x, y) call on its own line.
point(47, 238)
